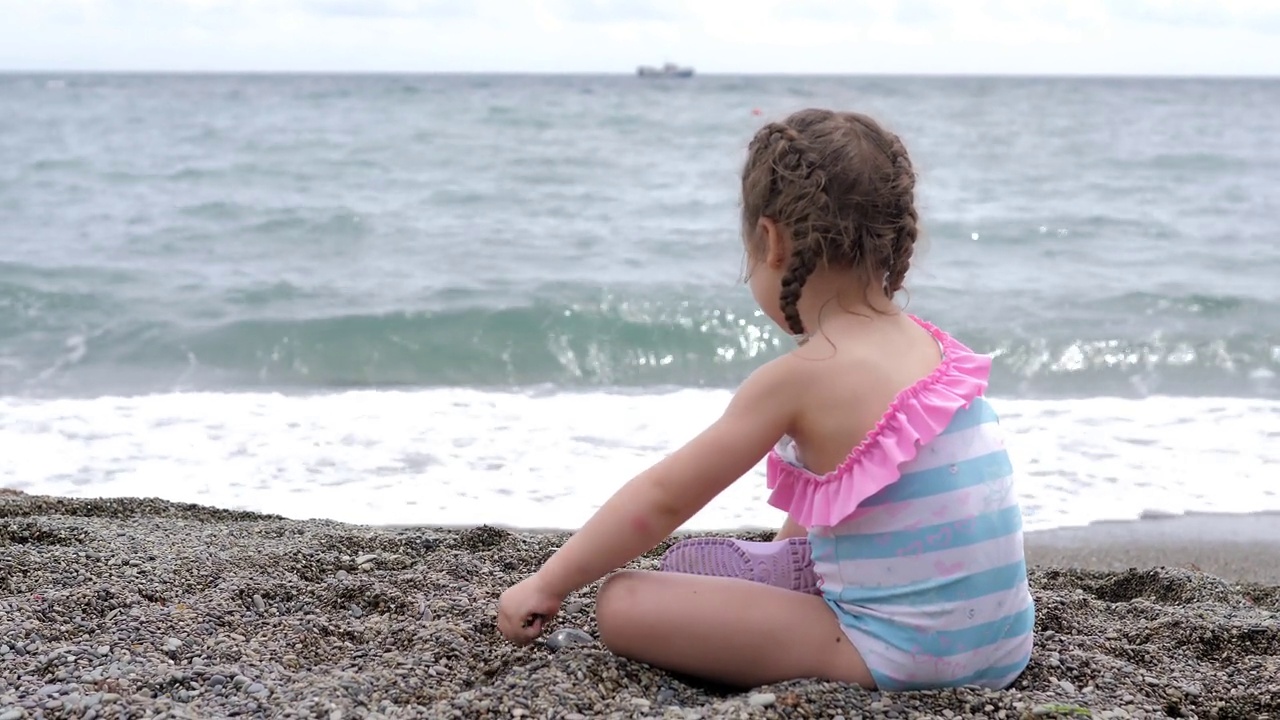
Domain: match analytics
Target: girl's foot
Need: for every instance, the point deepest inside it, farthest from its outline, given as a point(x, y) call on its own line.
point(787, 564)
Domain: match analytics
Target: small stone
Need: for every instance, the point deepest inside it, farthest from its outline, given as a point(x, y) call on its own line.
point(568, 637)
point(341, 575)
point(762, 699)
point(363, 559)
point(255, 688)
point(217, 680)
point(173, 643)
point(1067, 687)
point(15, 714)
point(258, 603)
point(640, 703)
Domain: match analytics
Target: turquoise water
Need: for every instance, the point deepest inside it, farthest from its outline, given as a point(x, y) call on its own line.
point(257, 239)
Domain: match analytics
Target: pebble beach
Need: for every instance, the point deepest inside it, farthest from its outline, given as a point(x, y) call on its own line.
point(122, 608)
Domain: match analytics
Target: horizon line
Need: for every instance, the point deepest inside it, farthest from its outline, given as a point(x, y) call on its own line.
point(697, 74)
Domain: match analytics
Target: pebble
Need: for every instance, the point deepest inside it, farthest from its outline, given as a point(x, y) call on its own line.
point(233, 614)
point(568, 637)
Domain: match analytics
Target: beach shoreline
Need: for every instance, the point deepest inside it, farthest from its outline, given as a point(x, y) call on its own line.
point(132, 607)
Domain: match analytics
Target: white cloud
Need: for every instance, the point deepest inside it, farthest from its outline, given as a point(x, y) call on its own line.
point(838, 36)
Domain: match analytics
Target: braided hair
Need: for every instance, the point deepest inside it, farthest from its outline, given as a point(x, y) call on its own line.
point(843, 188)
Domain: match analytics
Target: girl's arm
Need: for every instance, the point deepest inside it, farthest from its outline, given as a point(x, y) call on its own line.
point(659, 500)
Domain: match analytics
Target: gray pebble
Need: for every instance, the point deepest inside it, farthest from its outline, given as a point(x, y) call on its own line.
point(568, 637)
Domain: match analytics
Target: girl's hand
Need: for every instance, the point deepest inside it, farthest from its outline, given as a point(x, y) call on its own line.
point(525, 609)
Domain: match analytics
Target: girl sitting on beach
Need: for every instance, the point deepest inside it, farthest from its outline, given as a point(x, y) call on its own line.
point(901, 564)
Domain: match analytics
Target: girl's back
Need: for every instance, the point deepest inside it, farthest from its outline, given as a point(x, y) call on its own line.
point(856, 368)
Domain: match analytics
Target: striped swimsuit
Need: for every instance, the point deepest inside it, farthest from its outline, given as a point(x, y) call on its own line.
point(917, 536)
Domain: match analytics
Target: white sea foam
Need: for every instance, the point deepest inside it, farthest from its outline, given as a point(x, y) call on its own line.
point(455, 456)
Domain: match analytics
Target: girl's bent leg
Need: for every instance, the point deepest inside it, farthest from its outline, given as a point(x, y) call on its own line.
point(726, 630)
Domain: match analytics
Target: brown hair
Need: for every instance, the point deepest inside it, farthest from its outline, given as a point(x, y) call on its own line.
point(843, 188)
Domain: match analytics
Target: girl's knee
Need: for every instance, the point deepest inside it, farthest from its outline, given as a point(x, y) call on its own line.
point(619, 604)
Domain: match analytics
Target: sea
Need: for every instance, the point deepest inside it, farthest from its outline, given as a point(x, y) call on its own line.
point(461, 299)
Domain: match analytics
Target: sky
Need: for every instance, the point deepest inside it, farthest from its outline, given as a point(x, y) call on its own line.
point(1072, 37)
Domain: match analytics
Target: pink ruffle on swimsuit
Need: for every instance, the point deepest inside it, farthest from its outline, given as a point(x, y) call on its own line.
point(917, 535)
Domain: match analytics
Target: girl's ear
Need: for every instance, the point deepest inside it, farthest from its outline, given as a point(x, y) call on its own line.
point(775, 244)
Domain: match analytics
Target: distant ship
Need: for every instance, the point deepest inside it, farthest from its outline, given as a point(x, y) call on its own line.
point(667, 70)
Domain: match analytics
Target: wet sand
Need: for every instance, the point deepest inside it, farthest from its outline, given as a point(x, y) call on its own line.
point(1235, 547)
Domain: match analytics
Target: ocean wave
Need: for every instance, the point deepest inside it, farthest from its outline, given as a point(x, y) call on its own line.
point(59, 342)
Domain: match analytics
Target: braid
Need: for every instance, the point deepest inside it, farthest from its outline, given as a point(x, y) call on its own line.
point(796, 167)
point(904, 185)
point(799, 268)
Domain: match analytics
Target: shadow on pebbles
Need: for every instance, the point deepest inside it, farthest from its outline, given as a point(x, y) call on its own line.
point(143, 608)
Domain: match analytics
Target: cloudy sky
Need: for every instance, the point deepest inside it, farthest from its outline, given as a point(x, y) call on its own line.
point(1182, 37)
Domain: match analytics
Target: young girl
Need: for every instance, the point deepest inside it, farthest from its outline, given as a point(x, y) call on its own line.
point(880, 447)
